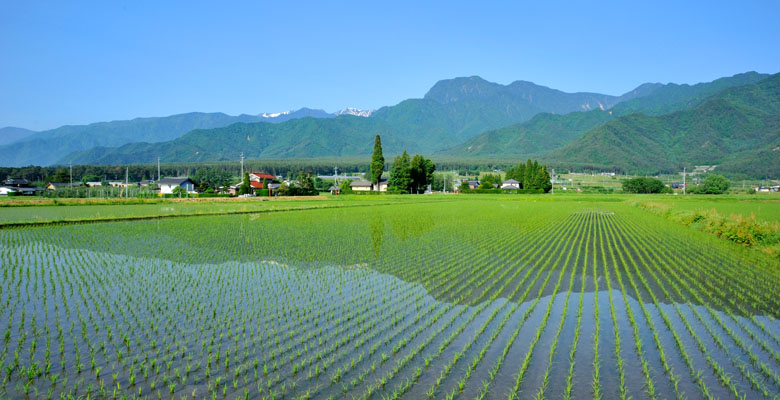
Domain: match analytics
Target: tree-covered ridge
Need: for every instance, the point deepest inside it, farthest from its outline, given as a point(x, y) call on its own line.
point(453, 111)
point(546, 132)
point(729, 129)
point(48, 147)
point(542, 133)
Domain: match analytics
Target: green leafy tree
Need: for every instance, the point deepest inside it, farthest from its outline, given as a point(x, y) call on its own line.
point(400, 174)
point(245, 187)
point(178, 191)
point(61, 175)
point(377, 162)
point(489, 181)
point(542, 180)
point(643, 185)
point(464, 186)
point(430, 168)
point(715, 184)
point(517, 173)
point(345, 187)
point(528, 174)
point(418, 173)
point(305, 184)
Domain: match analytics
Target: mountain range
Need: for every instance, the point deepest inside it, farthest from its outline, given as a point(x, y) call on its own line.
point(453, 110)
point(12, 134)
point(720, 122)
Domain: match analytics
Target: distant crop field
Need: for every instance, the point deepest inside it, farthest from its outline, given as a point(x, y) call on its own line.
point(492, 297)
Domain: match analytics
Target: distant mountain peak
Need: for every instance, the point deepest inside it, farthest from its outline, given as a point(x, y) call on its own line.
point(355, 111)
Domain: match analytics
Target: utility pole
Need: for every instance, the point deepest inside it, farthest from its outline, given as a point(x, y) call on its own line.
point(552, 182)
point(127, 186)
point(242, 165)
point(71, 174)
point(158, 168)
point(336, 180)
point(683, 181)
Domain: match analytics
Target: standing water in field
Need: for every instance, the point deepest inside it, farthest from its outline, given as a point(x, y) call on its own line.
point(591, 303)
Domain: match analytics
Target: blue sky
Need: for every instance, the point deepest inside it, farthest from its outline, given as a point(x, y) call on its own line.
point(79, 62)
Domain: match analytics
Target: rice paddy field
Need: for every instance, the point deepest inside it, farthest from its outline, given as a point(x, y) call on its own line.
point(468, 297)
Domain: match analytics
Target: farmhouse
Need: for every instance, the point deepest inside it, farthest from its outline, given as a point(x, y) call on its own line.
point(473, 184)
point(18, 186)
point(259, 177)
point(57, 185)
point(510, 184)
point(168, 184)
point(16, 182)
point(363, 185)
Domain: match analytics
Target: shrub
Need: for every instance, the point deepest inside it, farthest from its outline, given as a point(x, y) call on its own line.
point(643, 185)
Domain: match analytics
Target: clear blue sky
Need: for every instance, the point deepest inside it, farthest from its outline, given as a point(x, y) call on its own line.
point(72, 62)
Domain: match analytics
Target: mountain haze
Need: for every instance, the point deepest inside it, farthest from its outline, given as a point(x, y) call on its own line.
point(12, 134)
point(47, 147)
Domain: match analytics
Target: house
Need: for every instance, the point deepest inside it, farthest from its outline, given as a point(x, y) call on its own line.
point(18, 186)
point(168, 184)
point(363, 185)
point(16, 182)
point(57, 185)
point(334, 190)
point(259, 177)
point(473, 184)
point(510, 184)
point(341, 177)
point(94, 184)
point(27, 191)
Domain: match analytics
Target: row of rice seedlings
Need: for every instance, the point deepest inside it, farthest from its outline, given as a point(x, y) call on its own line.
point(527, 359)
point(546, 378)
point(717, 369)
point(507, 243)
point(362, 376)
point(530, 242)
point(649, 384)
point(755, 383)
point(694, 373)
point(668, 370)
point(552, 255)
point(712, 296)
point(401, 389)
point(567, 392)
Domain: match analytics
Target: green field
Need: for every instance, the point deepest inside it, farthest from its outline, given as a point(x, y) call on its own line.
point(388, 297)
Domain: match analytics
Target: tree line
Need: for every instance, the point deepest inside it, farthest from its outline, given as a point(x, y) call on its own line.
point(407, 175)
point(531, 176)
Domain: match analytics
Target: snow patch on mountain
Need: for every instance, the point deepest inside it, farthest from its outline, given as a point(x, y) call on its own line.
point(355, 111)
point(275, 115)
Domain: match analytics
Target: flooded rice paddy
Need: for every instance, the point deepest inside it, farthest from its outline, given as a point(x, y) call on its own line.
point(481, 300)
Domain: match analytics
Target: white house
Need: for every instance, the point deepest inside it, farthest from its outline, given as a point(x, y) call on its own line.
point(510, 184)
point(366, 186)
point(168, 184)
